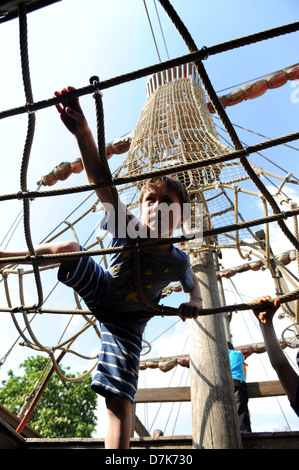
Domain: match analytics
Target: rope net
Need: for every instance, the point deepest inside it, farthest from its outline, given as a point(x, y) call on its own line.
point(174, 135)
point(175, 128)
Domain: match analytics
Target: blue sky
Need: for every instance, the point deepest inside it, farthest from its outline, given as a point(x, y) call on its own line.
point(73, 40)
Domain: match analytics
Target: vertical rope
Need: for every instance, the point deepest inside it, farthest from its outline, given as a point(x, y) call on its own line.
point(28, 142)
point(296, 231)
point(236, 190)
point(108, 177)
point(267, 234)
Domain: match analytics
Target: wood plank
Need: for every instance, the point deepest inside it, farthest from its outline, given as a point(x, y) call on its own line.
point(14, 422)
point(168, 394)
point(9, 438)
point(140, 428)
point(267, 440)
point(270, 388)
point(271, 440)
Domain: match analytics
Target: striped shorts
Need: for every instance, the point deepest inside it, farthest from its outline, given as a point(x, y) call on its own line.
point(118, 366)
point(121, 341)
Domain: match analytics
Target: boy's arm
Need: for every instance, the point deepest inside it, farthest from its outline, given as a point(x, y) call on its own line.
point(192, 308)
point(73, 118)
point(286, 374)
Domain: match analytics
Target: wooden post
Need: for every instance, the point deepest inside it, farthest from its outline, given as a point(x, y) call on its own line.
point(214, 417)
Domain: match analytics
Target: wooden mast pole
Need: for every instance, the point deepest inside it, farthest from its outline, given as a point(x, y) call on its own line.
point(214, 417)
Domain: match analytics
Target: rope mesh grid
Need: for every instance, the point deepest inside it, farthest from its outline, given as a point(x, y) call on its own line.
point(174, 135)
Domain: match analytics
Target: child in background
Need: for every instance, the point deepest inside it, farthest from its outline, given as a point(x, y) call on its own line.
point(236, 360)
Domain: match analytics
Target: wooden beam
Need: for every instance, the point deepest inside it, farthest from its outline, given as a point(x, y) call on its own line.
point(168, 394)
point(277, 440)
point(9, 438)
point(270, 388)
point(140, 428)
point(271, 440)
point(14, 422)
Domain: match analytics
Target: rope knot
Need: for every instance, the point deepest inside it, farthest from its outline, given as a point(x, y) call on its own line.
point(27, 108)
point(206, 52)
point(94, 80)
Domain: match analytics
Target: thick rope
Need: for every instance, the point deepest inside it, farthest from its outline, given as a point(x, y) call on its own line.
point(28, 142)
point(30, 107)
point(152, 243)
point(296, 231)
point(214, 99)
point(171, 311)
point(192, 57)
point(158, 172)
point(108, 177)
point(101, 140)
point(236, 189)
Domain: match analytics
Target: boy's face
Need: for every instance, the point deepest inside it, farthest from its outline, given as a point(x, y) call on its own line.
point(161, 210)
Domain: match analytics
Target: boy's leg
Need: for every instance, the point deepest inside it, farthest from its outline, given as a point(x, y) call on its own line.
point(45, 249)
point(119, 422)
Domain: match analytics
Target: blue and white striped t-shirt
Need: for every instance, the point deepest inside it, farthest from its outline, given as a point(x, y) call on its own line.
point(157, 271)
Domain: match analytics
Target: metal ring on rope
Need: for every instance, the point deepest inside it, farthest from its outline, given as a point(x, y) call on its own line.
point(293, 341)
point(146, 347)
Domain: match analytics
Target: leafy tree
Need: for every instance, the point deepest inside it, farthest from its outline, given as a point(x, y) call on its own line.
point(65, 409)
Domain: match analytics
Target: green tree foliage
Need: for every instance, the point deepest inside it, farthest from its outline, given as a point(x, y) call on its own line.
point(65, 409)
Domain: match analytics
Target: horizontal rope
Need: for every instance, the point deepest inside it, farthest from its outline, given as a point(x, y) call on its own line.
point(147, 245)
point(166, 311)
point(159, 172)
point(192, 57)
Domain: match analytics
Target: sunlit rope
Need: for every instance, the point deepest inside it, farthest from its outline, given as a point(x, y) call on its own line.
point(28, 142)
point(214, 99)
point(240, 152)
point(192, 57)
point(158, 172)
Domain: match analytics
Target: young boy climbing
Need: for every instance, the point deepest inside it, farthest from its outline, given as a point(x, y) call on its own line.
point(111, 295)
